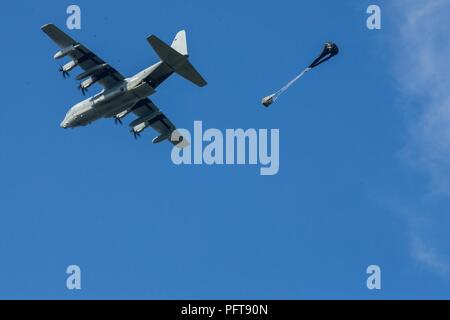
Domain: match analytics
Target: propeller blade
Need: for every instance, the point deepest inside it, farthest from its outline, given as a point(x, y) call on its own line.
point(83, 90)
point(65, 73)
point(117, 120)
point(136, 134)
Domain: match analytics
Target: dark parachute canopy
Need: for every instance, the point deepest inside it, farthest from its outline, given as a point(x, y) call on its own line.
point(330, 50)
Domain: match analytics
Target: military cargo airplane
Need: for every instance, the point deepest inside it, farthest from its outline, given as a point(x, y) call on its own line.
point(121, 96)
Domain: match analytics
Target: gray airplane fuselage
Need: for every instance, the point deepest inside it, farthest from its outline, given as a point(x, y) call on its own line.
point(118, 99)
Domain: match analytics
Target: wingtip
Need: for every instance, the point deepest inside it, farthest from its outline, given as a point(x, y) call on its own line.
point(179, 140)
point(45, 26)
point(152, 37)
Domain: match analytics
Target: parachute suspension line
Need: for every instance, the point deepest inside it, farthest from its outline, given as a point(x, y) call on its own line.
point(289, 84)
point(267, 101)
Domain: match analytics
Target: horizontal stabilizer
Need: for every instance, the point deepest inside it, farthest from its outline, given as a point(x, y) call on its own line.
point(176, 60)
point(188, 72)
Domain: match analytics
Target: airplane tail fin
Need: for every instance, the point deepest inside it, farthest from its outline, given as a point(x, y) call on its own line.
point(176, 56)
point(180, 43)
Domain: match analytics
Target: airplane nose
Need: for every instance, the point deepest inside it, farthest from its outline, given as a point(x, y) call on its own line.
point(63, 124)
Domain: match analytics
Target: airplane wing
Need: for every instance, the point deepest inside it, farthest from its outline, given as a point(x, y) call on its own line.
point(145, 108)
point(86, 59)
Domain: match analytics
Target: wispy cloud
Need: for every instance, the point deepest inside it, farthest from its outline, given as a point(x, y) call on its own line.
point(423, 71)
point(430, 257)
point(423, 74)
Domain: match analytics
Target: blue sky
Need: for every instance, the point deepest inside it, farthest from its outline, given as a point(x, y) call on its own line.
point(364, 149)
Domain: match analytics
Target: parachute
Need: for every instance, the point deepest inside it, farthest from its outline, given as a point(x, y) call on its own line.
point(330, 50)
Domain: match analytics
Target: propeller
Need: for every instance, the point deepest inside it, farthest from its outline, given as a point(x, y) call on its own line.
point(65, 73)
point(83, 89)
point(117, 120)
point(135, 134)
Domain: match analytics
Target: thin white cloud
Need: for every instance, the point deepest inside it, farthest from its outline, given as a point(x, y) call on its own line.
point(422, 65)
point(423, 71)
point(426, 254)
